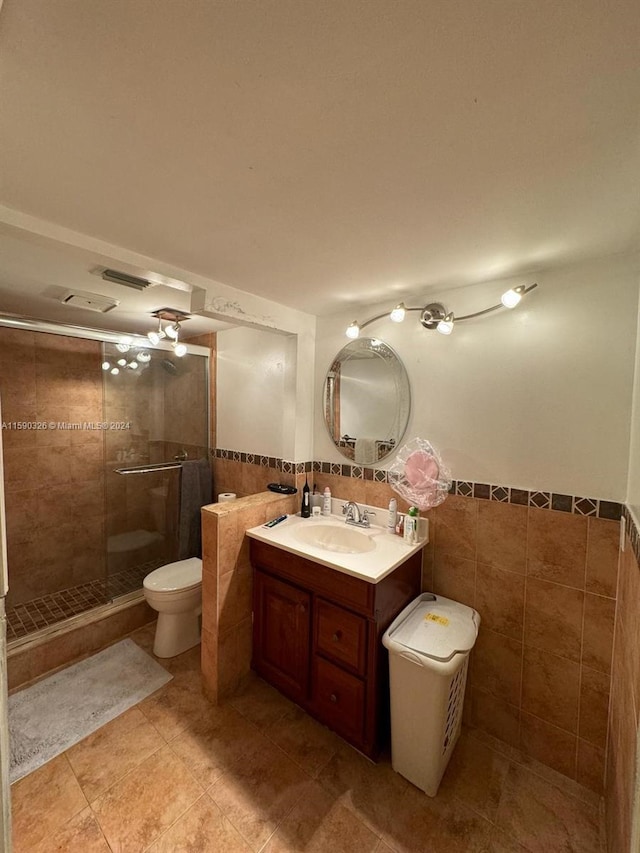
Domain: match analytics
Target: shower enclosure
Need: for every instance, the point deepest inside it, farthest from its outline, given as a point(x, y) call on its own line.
point(94, 430)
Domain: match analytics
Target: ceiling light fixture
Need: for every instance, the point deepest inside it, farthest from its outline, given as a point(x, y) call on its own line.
point(173, 318)
point(435, 315)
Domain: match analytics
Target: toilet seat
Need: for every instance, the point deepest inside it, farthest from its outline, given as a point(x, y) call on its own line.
point(180, 576)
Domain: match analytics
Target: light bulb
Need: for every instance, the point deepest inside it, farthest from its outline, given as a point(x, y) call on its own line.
point(133, 365)
point(511, 297)
point(353, 330)
point(172, 331)
point(122, 347)
point(157, 336)
point(144, 356)
point(115, 371)
point(180, 350)
point(106, 365)
point(122, 362)
point(397, 315)
point(445, 327)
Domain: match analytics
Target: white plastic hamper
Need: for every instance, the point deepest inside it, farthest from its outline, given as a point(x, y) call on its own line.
point(429, 645)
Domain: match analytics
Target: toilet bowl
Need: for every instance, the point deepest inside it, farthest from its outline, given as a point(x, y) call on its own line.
point(175, 591)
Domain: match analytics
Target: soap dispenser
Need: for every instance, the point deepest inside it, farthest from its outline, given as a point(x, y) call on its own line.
point(305, 509)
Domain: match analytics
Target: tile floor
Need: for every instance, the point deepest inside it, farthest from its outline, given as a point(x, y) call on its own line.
point(177, 774)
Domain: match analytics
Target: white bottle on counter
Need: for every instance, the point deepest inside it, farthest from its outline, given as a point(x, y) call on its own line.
point(393, 515)
point(326, 501)
point(411, 526)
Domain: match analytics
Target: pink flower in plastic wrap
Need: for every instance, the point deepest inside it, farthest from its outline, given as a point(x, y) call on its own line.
point(419, 475)
point(421, 470)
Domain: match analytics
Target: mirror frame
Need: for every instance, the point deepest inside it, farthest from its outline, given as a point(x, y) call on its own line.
point(401, 405)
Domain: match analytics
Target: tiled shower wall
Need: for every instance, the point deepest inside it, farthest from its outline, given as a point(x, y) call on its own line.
point(624, 718)
point(544, 582)
point(53, 478)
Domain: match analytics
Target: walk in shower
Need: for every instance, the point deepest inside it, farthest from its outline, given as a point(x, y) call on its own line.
point(94, 429)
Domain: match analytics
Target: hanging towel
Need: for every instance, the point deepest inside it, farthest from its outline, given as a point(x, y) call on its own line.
point(196, 491)
point(366, 452)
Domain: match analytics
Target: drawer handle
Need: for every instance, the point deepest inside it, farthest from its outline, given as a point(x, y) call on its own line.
point(333, 698)
point(337, 637)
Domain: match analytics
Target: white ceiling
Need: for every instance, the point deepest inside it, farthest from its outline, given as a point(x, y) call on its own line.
point(323, 153)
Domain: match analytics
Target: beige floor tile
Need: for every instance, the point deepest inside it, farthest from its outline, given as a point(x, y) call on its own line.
point(189, 661)
point(261, 703)
point(259, 791)
point(475, 775)
point(210, 747)
point(201, 829)
point(177, 705)
point(500, 842)
point(108, 754)
point(146, 802)
point(543, 818)
point(426, 823)
point(372, 791)
point(82, 834)
point(318, 824)
point(308, 743)
point(145, 636)
point(43, 802)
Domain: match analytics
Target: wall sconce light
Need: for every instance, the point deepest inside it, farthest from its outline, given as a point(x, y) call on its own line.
point(173, 318)
point(435, 315)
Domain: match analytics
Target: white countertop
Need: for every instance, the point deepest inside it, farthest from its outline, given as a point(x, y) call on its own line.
point(388, 553)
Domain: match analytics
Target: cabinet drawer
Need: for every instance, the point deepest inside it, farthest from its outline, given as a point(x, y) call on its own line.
point(338, 699)
point(340, 636)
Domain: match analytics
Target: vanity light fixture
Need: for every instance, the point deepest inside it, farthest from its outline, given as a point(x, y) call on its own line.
point(435, 315)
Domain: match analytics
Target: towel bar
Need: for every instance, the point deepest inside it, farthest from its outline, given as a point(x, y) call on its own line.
point(148, 469)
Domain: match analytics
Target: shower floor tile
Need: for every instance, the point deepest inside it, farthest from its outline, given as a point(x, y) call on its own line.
point(31, 616)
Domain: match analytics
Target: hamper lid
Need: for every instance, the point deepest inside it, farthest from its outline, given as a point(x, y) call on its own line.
point(436, 627)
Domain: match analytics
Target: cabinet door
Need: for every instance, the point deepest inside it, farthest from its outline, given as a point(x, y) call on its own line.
point(281, 635)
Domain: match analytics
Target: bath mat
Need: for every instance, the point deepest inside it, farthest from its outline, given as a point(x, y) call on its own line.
point(50, 716)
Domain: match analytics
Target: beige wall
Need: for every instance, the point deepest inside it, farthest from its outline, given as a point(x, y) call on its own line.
point(536, 398)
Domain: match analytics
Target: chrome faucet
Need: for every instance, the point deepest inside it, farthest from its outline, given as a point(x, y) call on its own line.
point(356, 516)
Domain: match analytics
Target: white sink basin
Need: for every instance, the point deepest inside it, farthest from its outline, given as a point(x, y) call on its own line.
point(330, 537)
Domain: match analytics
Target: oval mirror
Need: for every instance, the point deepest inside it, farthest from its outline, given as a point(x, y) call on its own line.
point(366, 401)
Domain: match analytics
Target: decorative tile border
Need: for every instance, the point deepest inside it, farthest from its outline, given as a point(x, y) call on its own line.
point(574, 504)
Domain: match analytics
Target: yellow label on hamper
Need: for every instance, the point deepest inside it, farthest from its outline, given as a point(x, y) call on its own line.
point(433, 617)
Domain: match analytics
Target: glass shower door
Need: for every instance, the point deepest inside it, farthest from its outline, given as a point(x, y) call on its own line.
point(156, 416)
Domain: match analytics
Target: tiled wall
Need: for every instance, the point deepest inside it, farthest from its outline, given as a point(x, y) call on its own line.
point(624, 717)
point(544, 582)
point(31, 661)
point(227, 587)
point(53, 478)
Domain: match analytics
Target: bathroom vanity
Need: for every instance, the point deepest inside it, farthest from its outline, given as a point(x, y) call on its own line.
point(319, 616)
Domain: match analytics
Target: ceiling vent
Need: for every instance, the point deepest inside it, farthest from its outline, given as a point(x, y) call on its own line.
point(89, 301)
point(125, 279)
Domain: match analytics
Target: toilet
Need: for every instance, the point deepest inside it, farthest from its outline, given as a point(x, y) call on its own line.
point(175, 591)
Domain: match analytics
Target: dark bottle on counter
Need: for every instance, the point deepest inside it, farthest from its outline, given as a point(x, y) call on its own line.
point(305, 509)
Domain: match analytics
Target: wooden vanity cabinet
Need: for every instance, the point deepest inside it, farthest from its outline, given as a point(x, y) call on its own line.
point(317, 637)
